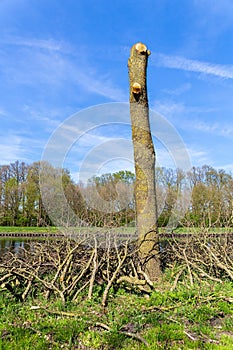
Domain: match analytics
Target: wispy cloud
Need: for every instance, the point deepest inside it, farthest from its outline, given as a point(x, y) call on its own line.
point(20, 148)
point(49, 118)
point(101, 86)
point(199, 156)
point(10, 152)
point(168, 108)
point(227, 167)
point(182, 63)
point(106, 155)
point(46, 44)
point(179, 90)
point(206, 127)
point(215, 128)
point(53, 63)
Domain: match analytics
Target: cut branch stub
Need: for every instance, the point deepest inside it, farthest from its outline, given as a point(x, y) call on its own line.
point(136, 88)
point(142, 48)
point(137, 65)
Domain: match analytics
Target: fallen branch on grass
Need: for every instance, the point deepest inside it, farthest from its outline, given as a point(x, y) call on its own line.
point(128, 334)
point(97, 324)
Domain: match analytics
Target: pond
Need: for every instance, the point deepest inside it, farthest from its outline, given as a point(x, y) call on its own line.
point(15, 244)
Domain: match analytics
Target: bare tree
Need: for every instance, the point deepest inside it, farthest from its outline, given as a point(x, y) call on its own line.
point(144, 158)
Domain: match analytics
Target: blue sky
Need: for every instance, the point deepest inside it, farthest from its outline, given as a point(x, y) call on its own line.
point(60, 57)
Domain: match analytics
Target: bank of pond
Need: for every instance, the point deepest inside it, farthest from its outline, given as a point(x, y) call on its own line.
point(16, 241)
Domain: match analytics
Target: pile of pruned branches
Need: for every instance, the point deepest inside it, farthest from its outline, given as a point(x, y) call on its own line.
point(67, 267)
point(198, 256)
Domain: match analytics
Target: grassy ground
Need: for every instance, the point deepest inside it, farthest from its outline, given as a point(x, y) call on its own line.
point(12, 229)
point(204, 229)
point(200, 317)
point(121, 228)
point(127, 230)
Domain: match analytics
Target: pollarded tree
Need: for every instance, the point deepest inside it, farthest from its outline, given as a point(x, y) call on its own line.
point(144, 159)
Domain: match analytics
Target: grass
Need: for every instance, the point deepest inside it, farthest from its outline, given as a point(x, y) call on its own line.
point(25, 229)
point(200, 317)
point(204, 229)
point(127, 230)
point(121, 230)
point(13, 229)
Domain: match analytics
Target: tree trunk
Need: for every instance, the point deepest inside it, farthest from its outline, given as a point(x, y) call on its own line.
point(144, 158)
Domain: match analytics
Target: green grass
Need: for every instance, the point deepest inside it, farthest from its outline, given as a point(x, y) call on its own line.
point(126, 230)
point(25, 229)
point(13, 229)
point(204, 229)
point(188, 318)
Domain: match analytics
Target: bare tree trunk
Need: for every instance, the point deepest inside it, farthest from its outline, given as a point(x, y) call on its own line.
point(144, 158)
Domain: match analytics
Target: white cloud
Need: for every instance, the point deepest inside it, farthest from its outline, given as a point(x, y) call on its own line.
point(215, 128)
point(205, 127)
point(46, 44)
point(49, 118)
point(10, 152)
point(94, 154)
point(198, 156)
point(182, 63)
point(227, 167)
point(20, 147)
point(55, 64)
point(179, 90)
point(185, 117)
point(101, 86)
point(168, 108)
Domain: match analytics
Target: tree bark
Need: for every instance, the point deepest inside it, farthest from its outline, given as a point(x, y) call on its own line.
point(144, 158)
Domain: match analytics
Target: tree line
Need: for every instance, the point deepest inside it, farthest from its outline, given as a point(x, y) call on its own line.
point(202, 196)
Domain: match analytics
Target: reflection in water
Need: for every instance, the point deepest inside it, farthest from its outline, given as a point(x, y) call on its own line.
point(13, 244)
